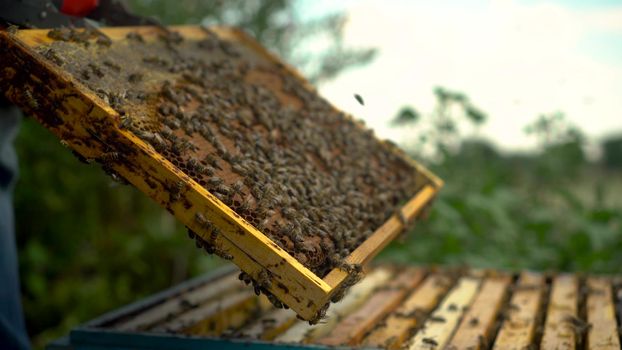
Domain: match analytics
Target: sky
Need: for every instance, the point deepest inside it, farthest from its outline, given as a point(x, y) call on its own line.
point(514, 59)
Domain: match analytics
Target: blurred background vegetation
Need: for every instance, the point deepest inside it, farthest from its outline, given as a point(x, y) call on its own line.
point(88, 245)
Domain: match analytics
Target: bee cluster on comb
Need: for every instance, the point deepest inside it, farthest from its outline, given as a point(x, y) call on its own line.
point(251, 132)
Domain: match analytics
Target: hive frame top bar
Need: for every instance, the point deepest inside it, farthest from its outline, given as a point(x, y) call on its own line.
point(78, 114)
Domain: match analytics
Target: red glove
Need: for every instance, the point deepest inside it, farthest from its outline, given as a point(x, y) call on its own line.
point(78, 8)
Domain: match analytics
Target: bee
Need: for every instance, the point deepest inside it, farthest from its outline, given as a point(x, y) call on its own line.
point(321, 314)
point(213, 161)
point(401, 217)
point(109, 156)
point(453, 307)
point(30, 100)
point(245, 206)
point(202, 221)
point(215, 181)
point(175, 190)
point(51, 55)
point(135, 77)
point(208, 171)
point(191, 234)
point(214, 234)
point(112, 65)
point(578, 325)
point(263, 279)
point(226, 256)
point(473, 321)
point(237, 187)
point(437, 319)
point(238, 169)
point(199, 243)
point(244, 277)
point(12, 29)
point(96, 70)
point(126, 122)
point(135, 36)
point(194, 165)
point(276, 302)
point(103, 40)
point(430, 341)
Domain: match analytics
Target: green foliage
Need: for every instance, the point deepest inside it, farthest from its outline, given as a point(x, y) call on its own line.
point(612, 149)
point(514, 211)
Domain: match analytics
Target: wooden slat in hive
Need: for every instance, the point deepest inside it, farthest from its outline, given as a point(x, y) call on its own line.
point(603, 331)
point(351, 329)
point(231, 310)
point(269, 325)
point(477, 324)
point(398, 326)
point(439, 327)
point(519, 326)
point(88, 124)
point(303, 332)
point(562, 312)
point(177, 305)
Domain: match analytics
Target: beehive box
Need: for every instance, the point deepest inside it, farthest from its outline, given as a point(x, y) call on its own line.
point(394, 307)
point(231, 141)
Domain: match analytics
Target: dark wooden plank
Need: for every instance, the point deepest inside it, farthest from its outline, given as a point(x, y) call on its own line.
point(230, 310)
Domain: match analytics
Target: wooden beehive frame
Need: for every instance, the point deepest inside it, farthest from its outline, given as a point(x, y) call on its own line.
point(89, 126)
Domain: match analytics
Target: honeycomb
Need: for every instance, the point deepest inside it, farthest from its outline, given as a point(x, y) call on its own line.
point(312, 179)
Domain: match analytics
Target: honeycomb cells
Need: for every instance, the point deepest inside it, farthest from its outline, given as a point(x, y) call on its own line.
point(309, 177)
